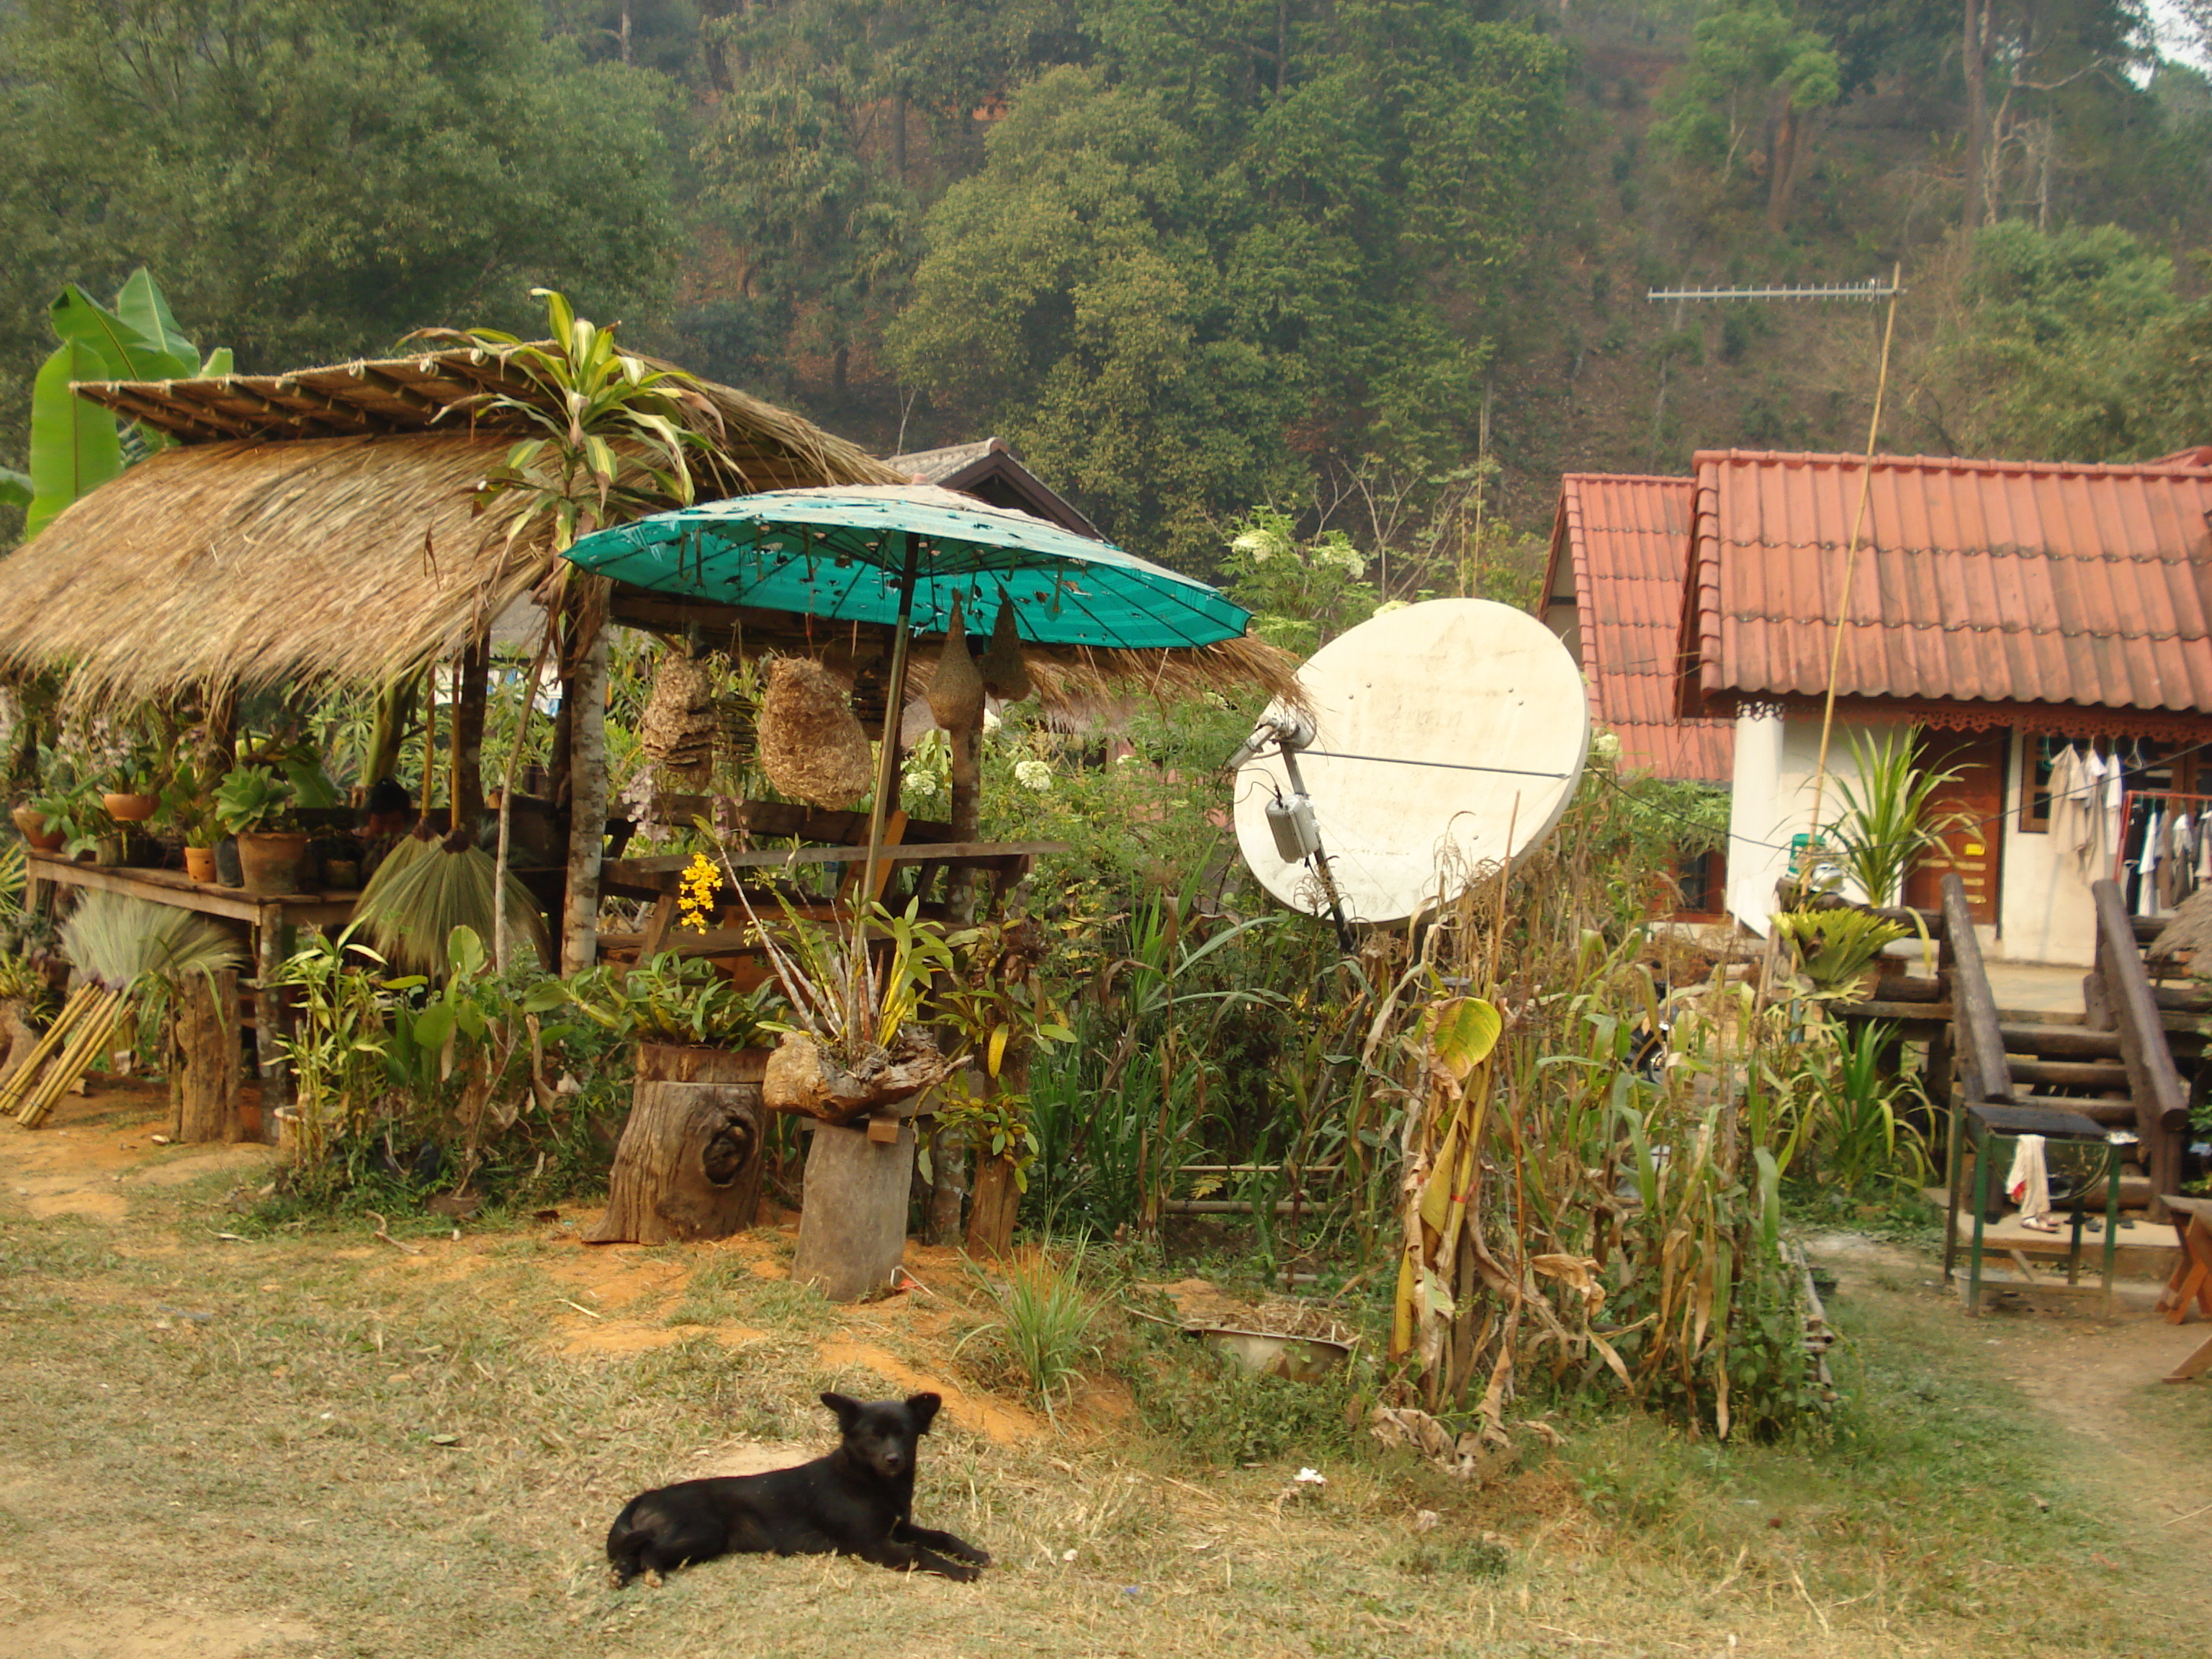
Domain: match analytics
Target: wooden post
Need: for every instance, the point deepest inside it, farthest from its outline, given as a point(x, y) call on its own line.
point(948, 1157)
point(269, 1018)
point(689, 1165)
point(204, 1083)
point(852, 1225)
point(587, 808)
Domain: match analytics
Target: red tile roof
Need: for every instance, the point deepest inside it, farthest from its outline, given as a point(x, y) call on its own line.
point(1976, 582)
point(1629, 540)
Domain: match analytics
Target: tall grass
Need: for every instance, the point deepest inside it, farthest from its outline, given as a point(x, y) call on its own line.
point(1044, 1326)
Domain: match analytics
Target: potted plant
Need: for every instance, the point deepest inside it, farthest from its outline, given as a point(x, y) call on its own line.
point(689, 1164)
point(134, 796)
point(70, 819)
point(188, 811)
point(254, 804)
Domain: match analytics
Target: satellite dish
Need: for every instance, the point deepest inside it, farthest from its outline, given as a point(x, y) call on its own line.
point(1443, 736)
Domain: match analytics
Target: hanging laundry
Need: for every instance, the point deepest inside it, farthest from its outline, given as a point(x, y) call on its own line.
point(2178, 865)
point(2069, 805)
point(2027, 1183)
point(2147, 857)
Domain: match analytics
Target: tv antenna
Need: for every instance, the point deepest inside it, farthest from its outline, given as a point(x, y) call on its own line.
point(1872, 288)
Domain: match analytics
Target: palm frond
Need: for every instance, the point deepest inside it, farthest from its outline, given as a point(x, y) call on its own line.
point(117, 941)
point(412, 904)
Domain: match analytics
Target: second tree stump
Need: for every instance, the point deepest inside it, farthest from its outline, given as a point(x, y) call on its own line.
point(689, 1164)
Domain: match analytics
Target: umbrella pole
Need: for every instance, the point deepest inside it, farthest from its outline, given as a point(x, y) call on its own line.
point(894, 721)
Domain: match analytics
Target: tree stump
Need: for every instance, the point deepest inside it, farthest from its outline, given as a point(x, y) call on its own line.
point(17, 1038)
point(852, 1220)
point(203, 1082)
point(689, 1164)
point(991, 1212)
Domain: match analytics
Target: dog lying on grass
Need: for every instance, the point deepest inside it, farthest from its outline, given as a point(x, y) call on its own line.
point(859, 1500)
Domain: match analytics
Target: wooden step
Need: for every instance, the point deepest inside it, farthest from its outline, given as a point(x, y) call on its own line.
point(2059, 1041)
point(2148, 927)
point(2114, 1114)
point(2182, 999)
point(2069, 1074)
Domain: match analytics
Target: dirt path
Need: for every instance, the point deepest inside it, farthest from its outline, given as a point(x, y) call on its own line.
point(2144, 1444)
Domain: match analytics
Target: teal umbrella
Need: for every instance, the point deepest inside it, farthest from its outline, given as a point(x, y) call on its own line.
point(894, 554)
point(900, 554)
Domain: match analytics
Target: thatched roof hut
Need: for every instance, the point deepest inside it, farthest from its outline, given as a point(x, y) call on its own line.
point(319, 525)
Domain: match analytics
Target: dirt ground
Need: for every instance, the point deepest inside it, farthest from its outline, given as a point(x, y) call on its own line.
point(329, 1443)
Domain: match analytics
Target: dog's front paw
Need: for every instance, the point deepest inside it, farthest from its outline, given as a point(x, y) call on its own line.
point(959, 1574)
point(975, 1553)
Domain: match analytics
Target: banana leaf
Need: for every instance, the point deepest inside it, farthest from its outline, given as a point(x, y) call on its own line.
point(141, 306)
point(74, 445)
point(123, 353)
point(14, 488)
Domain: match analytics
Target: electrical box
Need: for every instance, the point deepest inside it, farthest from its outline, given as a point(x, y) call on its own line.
point(1297, 837)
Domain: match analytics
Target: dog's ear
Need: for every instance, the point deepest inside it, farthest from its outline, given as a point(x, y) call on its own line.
point(847, 1409)
point(922, 1408)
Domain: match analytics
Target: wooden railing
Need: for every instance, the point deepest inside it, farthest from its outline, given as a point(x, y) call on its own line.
point(2118, 996)
point(1983, 1078)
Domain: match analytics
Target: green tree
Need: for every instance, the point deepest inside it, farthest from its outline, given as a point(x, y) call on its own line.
point(1755, 83)
point(318, 178)
point(2065, 345)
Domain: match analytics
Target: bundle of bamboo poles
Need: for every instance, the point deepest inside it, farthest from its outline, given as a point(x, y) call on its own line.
point(78, 1036)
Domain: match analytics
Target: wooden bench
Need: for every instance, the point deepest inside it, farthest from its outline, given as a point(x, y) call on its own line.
point(2193, 1277)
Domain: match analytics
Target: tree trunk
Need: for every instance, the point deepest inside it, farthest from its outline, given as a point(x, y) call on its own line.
point(852, 1223)
point(689, 1165)
point(467, 788)
point(1974, 60)
point(991, 1216)
point(967, 757)
point(395, 712)
point(203, 1082)
point(1783, 165)
point(948, 1185)
point(898, 137)
point(587, 805)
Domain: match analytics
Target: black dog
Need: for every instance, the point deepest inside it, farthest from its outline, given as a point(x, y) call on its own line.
point(859, 1500)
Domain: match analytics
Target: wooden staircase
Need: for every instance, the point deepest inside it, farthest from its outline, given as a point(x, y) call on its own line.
point(2119, 1062)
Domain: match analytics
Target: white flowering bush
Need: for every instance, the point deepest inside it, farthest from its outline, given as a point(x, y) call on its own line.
point(1301, 594)
point(1033, 773)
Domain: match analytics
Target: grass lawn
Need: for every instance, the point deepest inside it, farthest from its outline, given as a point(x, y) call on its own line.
point(323, 1442)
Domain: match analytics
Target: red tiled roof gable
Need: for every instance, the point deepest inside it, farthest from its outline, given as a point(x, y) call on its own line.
point(1629, 539)
point(1997, 583)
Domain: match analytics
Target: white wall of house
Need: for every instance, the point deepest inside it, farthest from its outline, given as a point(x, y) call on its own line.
point(2043, 908)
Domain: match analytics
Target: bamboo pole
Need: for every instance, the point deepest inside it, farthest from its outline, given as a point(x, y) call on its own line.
point(91, 1034)
point(1852, 559)
point(19, 1083)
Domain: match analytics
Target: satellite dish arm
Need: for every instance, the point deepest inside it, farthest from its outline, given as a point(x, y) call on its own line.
point(1289, 731)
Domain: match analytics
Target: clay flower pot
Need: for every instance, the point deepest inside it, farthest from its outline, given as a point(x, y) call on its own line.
point(200, 863)
point(269, 861)
point(34, 826)
point(131, 809)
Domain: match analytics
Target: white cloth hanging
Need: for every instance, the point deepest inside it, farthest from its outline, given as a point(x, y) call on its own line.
point(2070, 808)
point(2027, 1183)
point(2147, 865)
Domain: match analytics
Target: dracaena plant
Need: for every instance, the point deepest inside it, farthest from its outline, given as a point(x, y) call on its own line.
point(610, 437)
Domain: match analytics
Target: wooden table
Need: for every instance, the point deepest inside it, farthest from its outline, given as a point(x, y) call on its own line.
point(2193, 1277)
point(267, 915)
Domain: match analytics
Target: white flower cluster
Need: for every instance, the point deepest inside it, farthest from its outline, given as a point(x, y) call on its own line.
point(1336, 549)
point(1033, 773)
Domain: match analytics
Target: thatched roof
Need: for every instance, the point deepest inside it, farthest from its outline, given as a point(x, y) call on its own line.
point(319, 525)
point(264, 549)
point(2189, 934)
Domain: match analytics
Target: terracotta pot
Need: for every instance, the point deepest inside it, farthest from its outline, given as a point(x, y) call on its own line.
point(269, 861)
point(131, 809)
point(34, 826)
point(200, 863)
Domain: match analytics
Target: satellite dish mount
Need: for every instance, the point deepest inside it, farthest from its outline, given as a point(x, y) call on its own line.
point(1291, 819)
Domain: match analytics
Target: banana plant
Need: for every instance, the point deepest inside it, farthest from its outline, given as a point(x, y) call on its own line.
point(76, 446)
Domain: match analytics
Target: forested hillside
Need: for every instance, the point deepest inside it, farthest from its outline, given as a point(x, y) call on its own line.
point(1381, 261)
